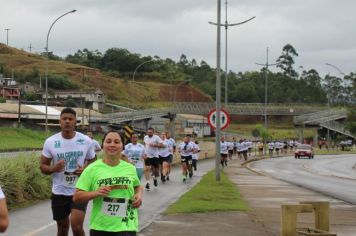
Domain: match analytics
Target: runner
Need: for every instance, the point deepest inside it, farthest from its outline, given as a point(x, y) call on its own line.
point(235, 145)
point(244, 149)
point(260, 147)
point(249, 144)
point(224, 150)
point(270, 148)
point(152, 142)
point(186, 150)
point(172, 145)
point(135, 152)
point(4, 215)
point(195, 156)
point(239, 148)
point(115, 189)
point(164, 154)
point(230, 149)
point(70, 152)
point(97, 147)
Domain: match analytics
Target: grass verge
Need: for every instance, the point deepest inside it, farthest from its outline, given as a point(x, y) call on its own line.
point(19, 139)
point(208, 196)
point(22, 180)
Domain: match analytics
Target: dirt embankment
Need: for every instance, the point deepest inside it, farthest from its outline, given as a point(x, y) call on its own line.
point(182, 93)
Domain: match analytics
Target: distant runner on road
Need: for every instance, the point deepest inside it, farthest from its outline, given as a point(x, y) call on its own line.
point(135, 152)
point(152, 142)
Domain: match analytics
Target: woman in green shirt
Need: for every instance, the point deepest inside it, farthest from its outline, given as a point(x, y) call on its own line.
point(115, 189)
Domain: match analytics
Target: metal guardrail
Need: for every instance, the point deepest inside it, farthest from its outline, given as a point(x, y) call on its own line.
point(316, 118)
point(204, 108)
point(121, 117)
point(248, 108)
point(337, 127)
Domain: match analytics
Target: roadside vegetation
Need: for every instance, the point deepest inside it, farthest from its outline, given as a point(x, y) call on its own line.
point(208, 196)
point(14, 139)
point(22, 180)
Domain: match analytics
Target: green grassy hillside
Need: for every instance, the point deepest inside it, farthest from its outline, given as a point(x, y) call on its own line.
point(144, 93)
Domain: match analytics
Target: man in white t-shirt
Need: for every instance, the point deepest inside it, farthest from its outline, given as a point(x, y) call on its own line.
point(97, 147)
point(70, 152)
point(195, 156)
point(4, 215)
point(151, 142)
point(186, 150)
point(135, 152)
point(224, 151)
point(172, 148)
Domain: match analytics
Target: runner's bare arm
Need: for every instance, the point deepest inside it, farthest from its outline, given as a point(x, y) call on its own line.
point(48, 169)
point(84, 196)
point(4, 216)
point(137, 201)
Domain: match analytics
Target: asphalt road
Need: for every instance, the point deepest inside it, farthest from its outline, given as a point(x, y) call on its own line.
point(331, 175)
point(37, 220)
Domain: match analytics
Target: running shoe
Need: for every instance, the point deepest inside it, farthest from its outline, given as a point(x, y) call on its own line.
point(155, 183)
point(190, 174)
point(163, 178)
point(148, 186)
point(167, 178)
point(184, 178)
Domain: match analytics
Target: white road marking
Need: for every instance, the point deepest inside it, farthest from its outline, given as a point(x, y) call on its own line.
point(36, 231)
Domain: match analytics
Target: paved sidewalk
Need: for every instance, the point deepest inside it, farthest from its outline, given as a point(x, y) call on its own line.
point(264, 196)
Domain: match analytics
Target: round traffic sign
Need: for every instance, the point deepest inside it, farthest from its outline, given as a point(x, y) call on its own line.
point(224, 119)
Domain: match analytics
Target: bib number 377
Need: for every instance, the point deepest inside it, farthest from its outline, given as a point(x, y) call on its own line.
point(114, 207)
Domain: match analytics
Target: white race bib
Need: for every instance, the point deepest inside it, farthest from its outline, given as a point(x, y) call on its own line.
point(115, 207)
point(70, 179)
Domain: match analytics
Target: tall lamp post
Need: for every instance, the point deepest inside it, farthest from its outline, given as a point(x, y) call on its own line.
point(266, 65)
point(218, 92)
point(7, 36)
point(342, 73)
point(226, 25)
point(47, 58)
point(133, 81)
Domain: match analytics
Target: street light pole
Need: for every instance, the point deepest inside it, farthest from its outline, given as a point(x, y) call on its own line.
point(266, 65)
point(7, 37)
point(342, 73)
point(226, 25)
point(218, 95)
point(47, 58)
point(133, 81)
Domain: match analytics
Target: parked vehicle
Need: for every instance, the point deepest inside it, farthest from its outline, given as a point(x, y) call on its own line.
point(304, 150)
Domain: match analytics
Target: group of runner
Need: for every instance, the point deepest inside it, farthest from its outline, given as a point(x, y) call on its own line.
point(78, 177)
point(112, 182)
point(155, 156)
point(241, 148)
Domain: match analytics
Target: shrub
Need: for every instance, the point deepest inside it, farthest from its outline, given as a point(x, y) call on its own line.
point(22, 180)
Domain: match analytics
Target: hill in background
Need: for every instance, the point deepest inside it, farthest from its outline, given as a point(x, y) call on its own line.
point(144, 93)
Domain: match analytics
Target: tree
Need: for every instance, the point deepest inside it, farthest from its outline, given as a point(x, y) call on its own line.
point(351, 121)
point(333, 87)
point(286, 60)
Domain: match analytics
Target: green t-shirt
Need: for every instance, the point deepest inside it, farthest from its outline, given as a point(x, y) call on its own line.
point(115, 212)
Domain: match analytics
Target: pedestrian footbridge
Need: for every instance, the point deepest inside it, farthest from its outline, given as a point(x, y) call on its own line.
point(304, 115)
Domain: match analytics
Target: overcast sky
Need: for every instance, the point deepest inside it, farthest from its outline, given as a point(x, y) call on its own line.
point(322, 31)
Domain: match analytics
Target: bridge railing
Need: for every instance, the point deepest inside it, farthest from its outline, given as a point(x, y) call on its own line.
point(248, 108)
point(336, 126)
point(321, 116)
